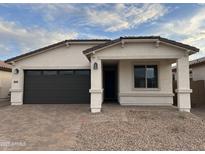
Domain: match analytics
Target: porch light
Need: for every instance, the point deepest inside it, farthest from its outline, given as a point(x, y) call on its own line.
point(95, 66)
point(16, 71)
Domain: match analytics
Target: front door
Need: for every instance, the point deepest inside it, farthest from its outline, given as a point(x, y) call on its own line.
point(110, 83)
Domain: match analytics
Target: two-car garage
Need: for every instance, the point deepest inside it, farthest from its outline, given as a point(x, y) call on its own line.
point(56, 86)
point(54, 74)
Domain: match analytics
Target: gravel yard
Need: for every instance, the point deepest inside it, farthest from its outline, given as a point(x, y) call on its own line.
point(73, 127)
point(145, 130)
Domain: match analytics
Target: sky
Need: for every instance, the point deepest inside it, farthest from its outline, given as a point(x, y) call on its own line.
point(26, 27)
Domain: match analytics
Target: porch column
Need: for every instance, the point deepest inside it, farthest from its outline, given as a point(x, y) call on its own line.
point(183, 84)
point(96, 90)
point(17, 87)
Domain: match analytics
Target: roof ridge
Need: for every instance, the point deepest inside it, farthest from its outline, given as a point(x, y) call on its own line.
point(87, 39)
point(49, 47)
point(107, 42)
point(179, 44)
point(102, 45)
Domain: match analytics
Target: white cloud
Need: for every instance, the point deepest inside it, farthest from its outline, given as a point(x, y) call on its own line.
point(111, 21)
point(125, 16)
point(189, 26)
point(51, 12)
point(27, 39)
point(190, 30)
point(92, 36)
point(4, 49)
point(109, 17)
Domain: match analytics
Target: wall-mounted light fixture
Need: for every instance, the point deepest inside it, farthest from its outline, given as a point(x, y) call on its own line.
point(67, 44)
point(157, 43)
point(95, 66)
point(16, 71)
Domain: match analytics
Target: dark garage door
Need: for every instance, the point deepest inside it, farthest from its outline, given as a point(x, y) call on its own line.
point(56, 86)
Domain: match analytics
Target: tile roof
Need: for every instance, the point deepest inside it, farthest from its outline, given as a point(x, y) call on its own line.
point(193, 63)
point(197, 62)
point(55, 45)
point(105, 43)
point(188, 47)
point(4, 66)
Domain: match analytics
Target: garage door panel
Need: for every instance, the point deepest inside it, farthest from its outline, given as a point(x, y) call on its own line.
point(66, 86)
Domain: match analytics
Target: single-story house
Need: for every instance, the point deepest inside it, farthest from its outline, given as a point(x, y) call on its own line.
point(197, 74)
point(196, 70)
point(5, 81)
point(197, 81)
point(127, 70)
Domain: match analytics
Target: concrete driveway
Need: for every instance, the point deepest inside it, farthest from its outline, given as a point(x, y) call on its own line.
point(73, 127)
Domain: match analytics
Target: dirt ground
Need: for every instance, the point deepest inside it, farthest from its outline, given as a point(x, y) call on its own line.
point(73, 127)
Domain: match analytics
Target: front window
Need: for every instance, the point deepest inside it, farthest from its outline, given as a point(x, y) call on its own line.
point(145, 76)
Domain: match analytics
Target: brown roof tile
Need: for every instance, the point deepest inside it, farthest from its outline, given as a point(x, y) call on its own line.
point(52, 46)
point(102, 45)
point(197, 62)
point(4, 66)
point(188, 47)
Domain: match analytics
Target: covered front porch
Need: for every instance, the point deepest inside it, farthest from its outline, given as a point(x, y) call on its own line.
point(138, 82)
point(144, 73)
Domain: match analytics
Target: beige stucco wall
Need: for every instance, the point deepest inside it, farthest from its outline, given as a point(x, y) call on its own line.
point(140, 51)
point(198, 72)
point(143, 53)
point(5, 84)
point(61, 57)
point(70, 57)
point(129, 95)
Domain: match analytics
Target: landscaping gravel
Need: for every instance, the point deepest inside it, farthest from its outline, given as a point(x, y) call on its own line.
point(74, 127)
point(144, 130)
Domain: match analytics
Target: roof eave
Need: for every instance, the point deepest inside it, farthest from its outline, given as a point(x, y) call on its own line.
point(56, 45)
point(5, 69)
point(191, 50)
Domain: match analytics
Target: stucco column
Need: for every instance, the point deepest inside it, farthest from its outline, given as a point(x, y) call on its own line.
point(183, 84)
point(96, 90)
point(17, 87)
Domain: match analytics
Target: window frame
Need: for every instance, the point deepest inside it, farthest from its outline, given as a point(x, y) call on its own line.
point(145, 88)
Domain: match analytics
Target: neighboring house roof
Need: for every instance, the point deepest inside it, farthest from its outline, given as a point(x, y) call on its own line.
point(193, 63)
point(158, 38)
point(197, 62)
point(65, 42)
point(5, 67)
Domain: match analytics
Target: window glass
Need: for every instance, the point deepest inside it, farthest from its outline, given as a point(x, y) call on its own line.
point(151, 71)
point(49, 72)
point(82, 72)
point(145, 76)
point(66, 72)
point(33, 73)
point(139, 76)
